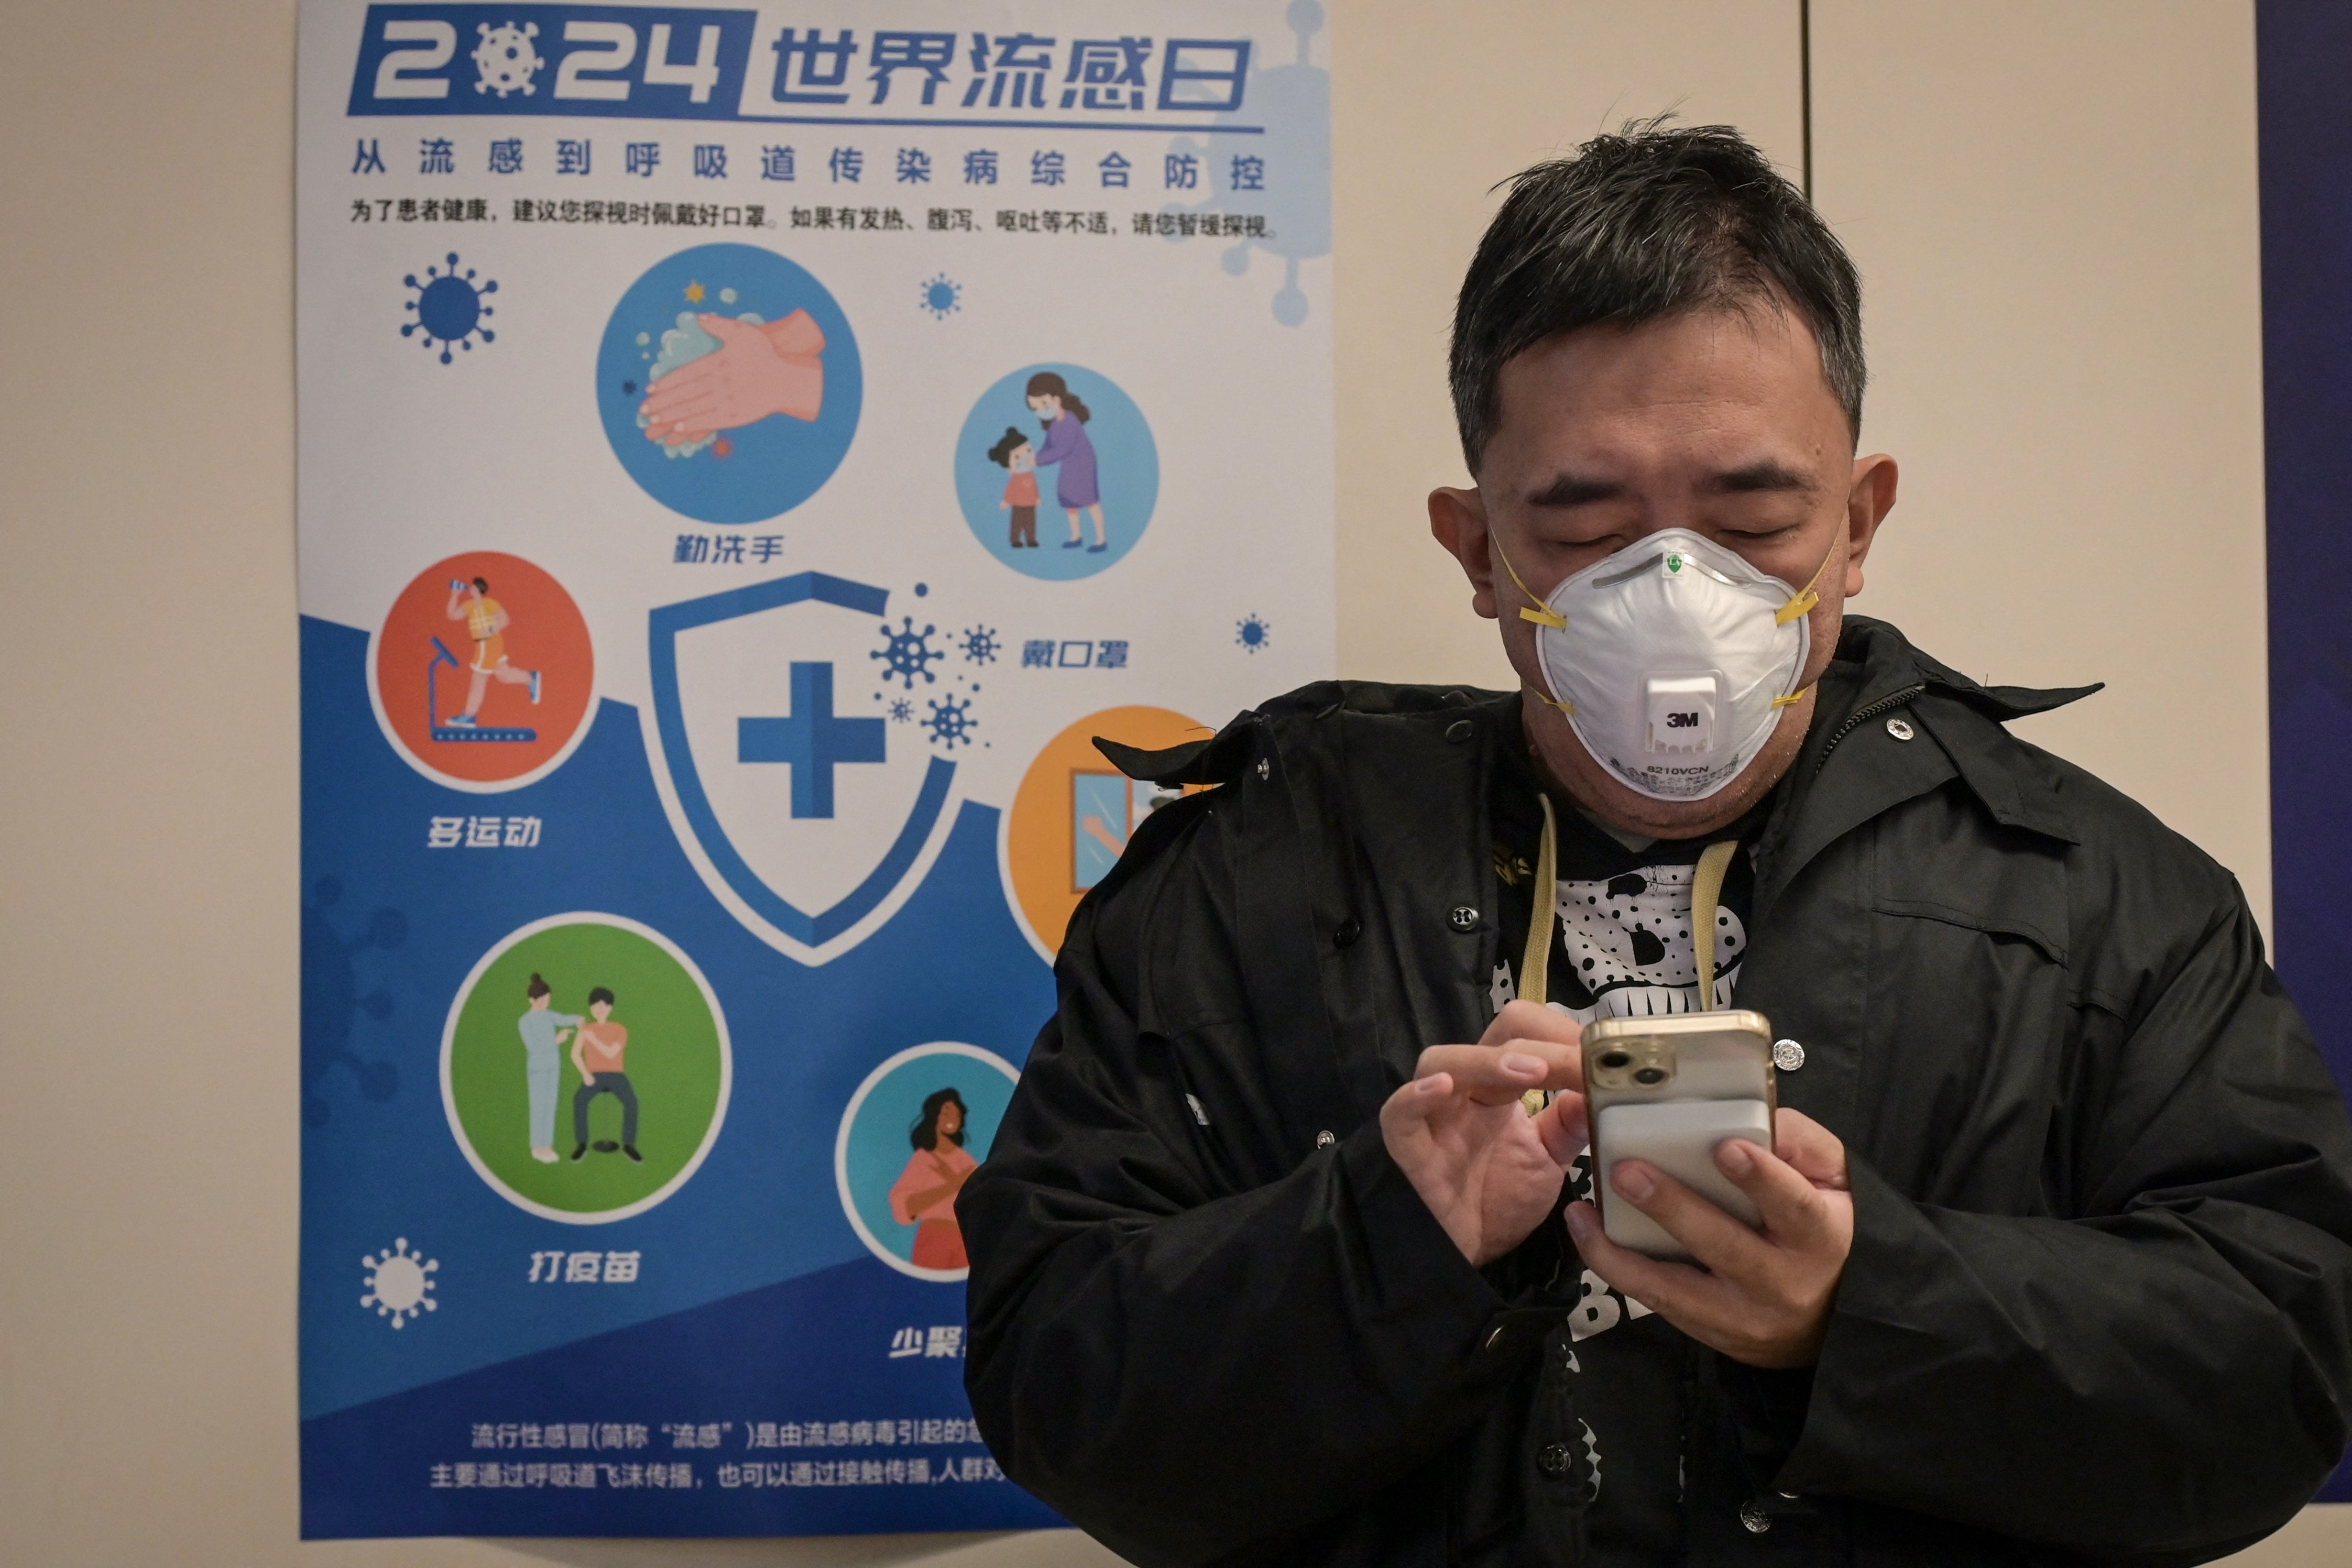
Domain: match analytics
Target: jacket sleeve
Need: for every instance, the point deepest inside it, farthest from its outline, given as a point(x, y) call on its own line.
point(1184, 1371)
point(2166, 1371)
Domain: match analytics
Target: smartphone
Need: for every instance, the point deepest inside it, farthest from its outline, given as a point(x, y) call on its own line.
point(1668, 1090)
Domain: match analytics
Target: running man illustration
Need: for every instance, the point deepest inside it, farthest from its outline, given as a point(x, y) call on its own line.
point(486, 622)
point(1013, 454)
point(543, 1030)
point(925, 1192)
point(598, 1053)
point(1076, 485)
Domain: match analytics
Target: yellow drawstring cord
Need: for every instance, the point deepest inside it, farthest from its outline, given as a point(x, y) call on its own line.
point(1535, 963)
point(1706, 893)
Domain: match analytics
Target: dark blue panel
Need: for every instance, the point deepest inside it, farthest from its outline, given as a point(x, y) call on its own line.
point(2304, 49)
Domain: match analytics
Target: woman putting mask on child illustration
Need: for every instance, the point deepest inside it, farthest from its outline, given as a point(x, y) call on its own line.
point(1076, 485)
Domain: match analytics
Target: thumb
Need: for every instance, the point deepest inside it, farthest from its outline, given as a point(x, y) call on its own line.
point(726, 329)
point(1811, 1149)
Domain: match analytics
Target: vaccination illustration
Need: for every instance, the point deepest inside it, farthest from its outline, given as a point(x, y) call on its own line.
point(1061, 445)
point(585, 1068)
point(483, 673)
point(728, 383)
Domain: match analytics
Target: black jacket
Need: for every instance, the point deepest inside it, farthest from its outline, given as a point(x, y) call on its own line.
point(2099, 1303)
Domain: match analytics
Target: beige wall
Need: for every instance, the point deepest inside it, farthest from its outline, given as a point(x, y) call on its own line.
point(2053, 206)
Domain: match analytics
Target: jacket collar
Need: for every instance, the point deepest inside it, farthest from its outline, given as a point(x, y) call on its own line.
point(1842, 777)
point(1852, 768)
point(2014, 782)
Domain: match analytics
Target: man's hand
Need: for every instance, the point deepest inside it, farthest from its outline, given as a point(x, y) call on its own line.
point(1487, 1170)
point(1764, 1297)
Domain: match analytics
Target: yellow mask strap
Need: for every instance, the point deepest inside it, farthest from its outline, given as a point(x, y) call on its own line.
point(1542, 614)
point(1802, 602)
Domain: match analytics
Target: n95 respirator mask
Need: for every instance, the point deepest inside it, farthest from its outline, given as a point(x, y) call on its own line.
point(1672, 660)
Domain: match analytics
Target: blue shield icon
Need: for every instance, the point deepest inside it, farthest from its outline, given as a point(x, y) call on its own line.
point(798, 800)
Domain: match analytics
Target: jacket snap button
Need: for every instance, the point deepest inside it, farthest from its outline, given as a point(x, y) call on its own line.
point(1900, 728)
point(1460, 730)
point(1463, 918)
point(1787, 1055)
point(1265, 768)
point(1554, 1460)
point(1350, 929)
point(1324, 1140)
point(1752, 1515)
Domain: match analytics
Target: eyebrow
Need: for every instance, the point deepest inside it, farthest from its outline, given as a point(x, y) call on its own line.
point(1765, 476)
point(1575, 490)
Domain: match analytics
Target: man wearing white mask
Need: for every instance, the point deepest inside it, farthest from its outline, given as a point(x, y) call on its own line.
point(1270, 1265)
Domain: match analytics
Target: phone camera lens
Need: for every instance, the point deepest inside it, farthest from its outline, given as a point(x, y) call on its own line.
point(1651, 1075)
point(1615, 1059)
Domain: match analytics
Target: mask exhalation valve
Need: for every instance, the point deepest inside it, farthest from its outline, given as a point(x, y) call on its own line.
point(1681, 712)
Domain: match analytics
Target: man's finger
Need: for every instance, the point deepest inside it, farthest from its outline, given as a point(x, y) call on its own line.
point(1676, 1292)
point(1564, 1126)
point(1484, 1074)
point(1404, 1115)
point(1718, 1240)
point(1563, 1064)
point(1531, 1020)
point(1811, 1147)
point(1794, 1213)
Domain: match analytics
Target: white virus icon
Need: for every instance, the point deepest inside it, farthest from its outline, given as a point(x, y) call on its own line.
point(398, 1283)
point(506, 59)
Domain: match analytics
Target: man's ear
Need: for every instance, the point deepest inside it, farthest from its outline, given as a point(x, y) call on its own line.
point(1457, 519)
point(1867, 503)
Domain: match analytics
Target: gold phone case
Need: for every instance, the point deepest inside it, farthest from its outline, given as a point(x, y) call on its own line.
point(1725, 1055)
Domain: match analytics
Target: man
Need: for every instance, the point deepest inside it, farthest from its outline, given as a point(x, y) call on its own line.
point(543, 1030)
point(598, 1055)
point(485, 624)
point(1270, 1266)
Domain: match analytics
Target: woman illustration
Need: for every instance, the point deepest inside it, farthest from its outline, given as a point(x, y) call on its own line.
point(1075, 485)
point(924, 1195)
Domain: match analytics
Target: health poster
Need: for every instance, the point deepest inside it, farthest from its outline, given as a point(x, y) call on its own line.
point(746, 458)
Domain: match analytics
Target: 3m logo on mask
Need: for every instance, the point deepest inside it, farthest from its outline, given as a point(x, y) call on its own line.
point(1681, 712)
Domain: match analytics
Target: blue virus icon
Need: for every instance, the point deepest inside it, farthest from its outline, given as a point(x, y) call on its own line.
point(901, 711)
point(950, 723)
point(980, 645)
point(332, 1004)
point(1251, 632)
point(449, 308)
point(943, 296)
point(908, 654)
